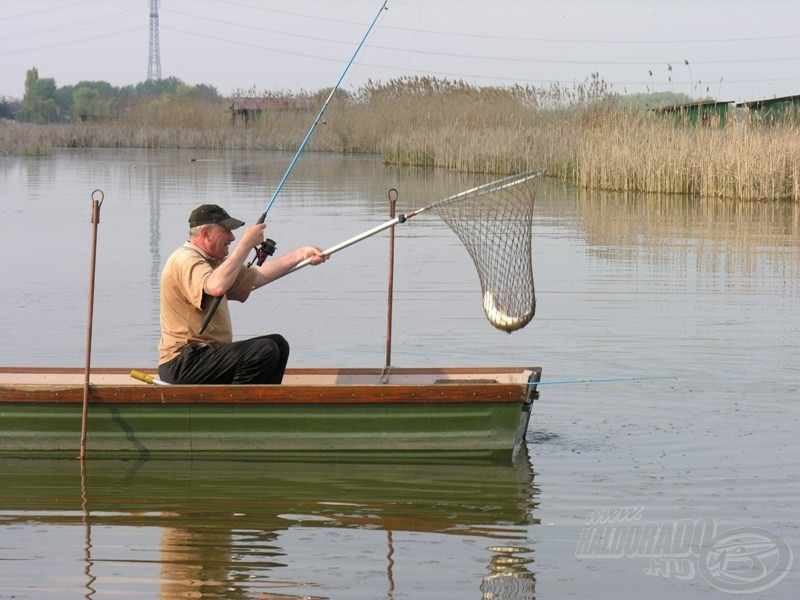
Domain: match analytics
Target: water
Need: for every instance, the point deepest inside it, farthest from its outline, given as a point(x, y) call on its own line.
point(704, 293)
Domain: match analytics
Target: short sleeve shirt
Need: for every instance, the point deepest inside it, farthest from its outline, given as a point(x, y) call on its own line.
point(184, 304)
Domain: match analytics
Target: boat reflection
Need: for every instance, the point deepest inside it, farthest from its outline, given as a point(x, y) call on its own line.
point(223, 526)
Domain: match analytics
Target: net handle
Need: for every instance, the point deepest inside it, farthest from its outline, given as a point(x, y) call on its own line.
point(482, 190)
point(486, 188)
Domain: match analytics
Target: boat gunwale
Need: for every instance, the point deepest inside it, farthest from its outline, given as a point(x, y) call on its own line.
point(480, 391)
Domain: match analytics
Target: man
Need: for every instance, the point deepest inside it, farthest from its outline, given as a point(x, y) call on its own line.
point(197, 272)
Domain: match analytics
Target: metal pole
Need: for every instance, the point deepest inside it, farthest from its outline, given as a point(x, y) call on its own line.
point(392, 205)
point(97, 200)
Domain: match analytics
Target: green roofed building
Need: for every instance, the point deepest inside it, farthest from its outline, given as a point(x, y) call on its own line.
point(706, 112)
point(773, 110)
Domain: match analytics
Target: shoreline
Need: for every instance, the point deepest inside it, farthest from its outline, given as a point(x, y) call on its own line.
point(594, 144)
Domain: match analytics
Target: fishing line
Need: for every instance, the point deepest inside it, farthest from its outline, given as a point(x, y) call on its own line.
point(268, 247)
point(320, 115)
point(603, 380)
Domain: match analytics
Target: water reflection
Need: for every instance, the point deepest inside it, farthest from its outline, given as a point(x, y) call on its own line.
point(694, 235)
point(154, 199)
point(251, 529)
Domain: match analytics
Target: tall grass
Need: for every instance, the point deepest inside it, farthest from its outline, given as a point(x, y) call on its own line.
point(741, 161)
point(580, 134)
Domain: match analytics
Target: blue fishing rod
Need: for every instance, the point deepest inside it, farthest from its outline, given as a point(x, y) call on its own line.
point(267, 247)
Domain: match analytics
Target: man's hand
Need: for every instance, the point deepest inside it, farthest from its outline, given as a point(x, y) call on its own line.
point(253, 235)
point(314, 255)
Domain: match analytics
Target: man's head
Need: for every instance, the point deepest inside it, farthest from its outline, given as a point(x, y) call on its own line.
point(210, 229)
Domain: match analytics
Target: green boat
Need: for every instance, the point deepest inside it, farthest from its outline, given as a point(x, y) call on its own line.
point(478, 412)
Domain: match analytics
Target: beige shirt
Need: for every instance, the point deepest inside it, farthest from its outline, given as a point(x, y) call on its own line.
point(184, 305)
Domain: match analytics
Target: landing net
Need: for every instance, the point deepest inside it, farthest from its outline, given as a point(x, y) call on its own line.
point(495, 224)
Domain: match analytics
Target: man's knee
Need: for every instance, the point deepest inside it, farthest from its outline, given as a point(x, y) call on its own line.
point(282, 343)
point(274, 343)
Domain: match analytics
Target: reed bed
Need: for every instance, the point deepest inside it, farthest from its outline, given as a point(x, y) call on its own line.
point(644, 154)
point(580, 134)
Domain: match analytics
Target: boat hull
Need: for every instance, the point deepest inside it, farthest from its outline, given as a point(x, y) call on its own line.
point(415, 411)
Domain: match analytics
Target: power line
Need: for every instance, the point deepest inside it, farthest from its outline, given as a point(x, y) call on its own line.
point(547, 40)
point(75, 42)
point(68, 26)
point(47, 10)
point(590, 63)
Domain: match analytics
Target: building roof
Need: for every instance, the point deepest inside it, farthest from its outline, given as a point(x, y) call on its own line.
point(701, 104)
point(768, 102)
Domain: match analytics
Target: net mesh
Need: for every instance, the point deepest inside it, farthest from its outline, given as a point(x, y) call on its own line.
point(494, 222)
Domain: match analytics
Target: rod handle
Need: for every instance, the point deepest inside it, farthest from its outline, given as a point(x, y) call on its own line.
point(141, 376)
point(210, 314)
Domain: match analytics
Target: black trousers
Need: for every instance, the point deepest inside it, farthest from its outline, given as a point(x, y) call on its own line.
point(257, 360)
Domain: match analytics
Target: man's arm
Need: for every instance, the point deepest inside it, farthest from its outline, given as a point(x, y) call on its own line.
point(224, 276)
point(275, 268)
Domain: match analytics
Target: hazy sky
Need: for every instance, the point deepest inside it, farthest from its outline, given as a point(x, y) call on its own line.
point(728, 49)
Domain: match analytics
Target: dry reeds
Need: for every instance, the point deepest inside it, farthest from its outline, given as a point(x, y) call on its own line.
point(578, 133)
point(645, 154)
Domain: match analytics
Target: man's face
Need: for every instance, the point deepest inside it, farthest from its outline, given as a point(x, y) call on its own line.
point(217, 239)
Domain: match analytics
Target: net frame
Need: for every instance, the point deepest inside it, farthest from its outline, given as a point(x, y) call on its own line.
point(494, 222)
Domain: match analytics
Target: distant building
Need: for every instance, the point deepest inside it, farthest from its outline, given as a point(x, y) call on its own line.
point(772, 110)
point(706, 112)
point(246, 108)
point(86, 118)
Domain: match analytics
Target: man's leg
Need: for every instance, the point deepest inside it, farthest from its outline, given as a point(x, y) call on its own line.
point(257, 360)
point(194, 365)
point(260, 360)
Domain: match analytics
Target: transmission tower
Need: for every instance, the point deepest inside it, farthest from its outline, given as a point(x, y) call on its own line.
point(154, 62)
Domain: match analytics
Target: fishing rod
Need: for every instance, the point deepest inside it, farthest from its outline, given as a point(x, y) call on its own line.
point(267, 247)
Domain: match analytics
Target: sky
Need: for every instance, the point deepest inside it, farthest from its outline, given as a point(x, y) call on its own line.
point(729, 50)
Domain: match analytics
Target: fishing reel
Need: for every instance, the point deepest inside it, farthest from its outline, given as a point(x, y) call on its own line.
point(264, 250)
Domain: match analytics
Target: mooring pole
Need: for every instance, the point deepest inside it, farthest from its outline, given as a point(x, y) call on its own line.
point(390, 302)
point(97, 200)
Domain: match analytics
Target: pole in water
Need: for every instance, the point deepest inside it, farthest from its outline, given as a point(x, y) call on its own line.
point(97, 201)
point(390, 302)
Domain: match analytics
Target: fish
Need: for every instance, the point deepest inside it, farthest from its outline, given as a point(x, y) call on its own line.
point(498, 316)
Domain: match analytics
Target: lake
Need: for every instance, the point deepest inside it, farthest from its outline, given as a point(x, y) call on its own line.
point(662, 455)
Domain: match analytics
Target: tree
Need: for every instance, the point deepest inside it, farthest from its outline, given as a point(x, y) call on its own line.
point(9, 107)
point(155, 87)
point(44, 102)
point(94, 99)
point(38, 103)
